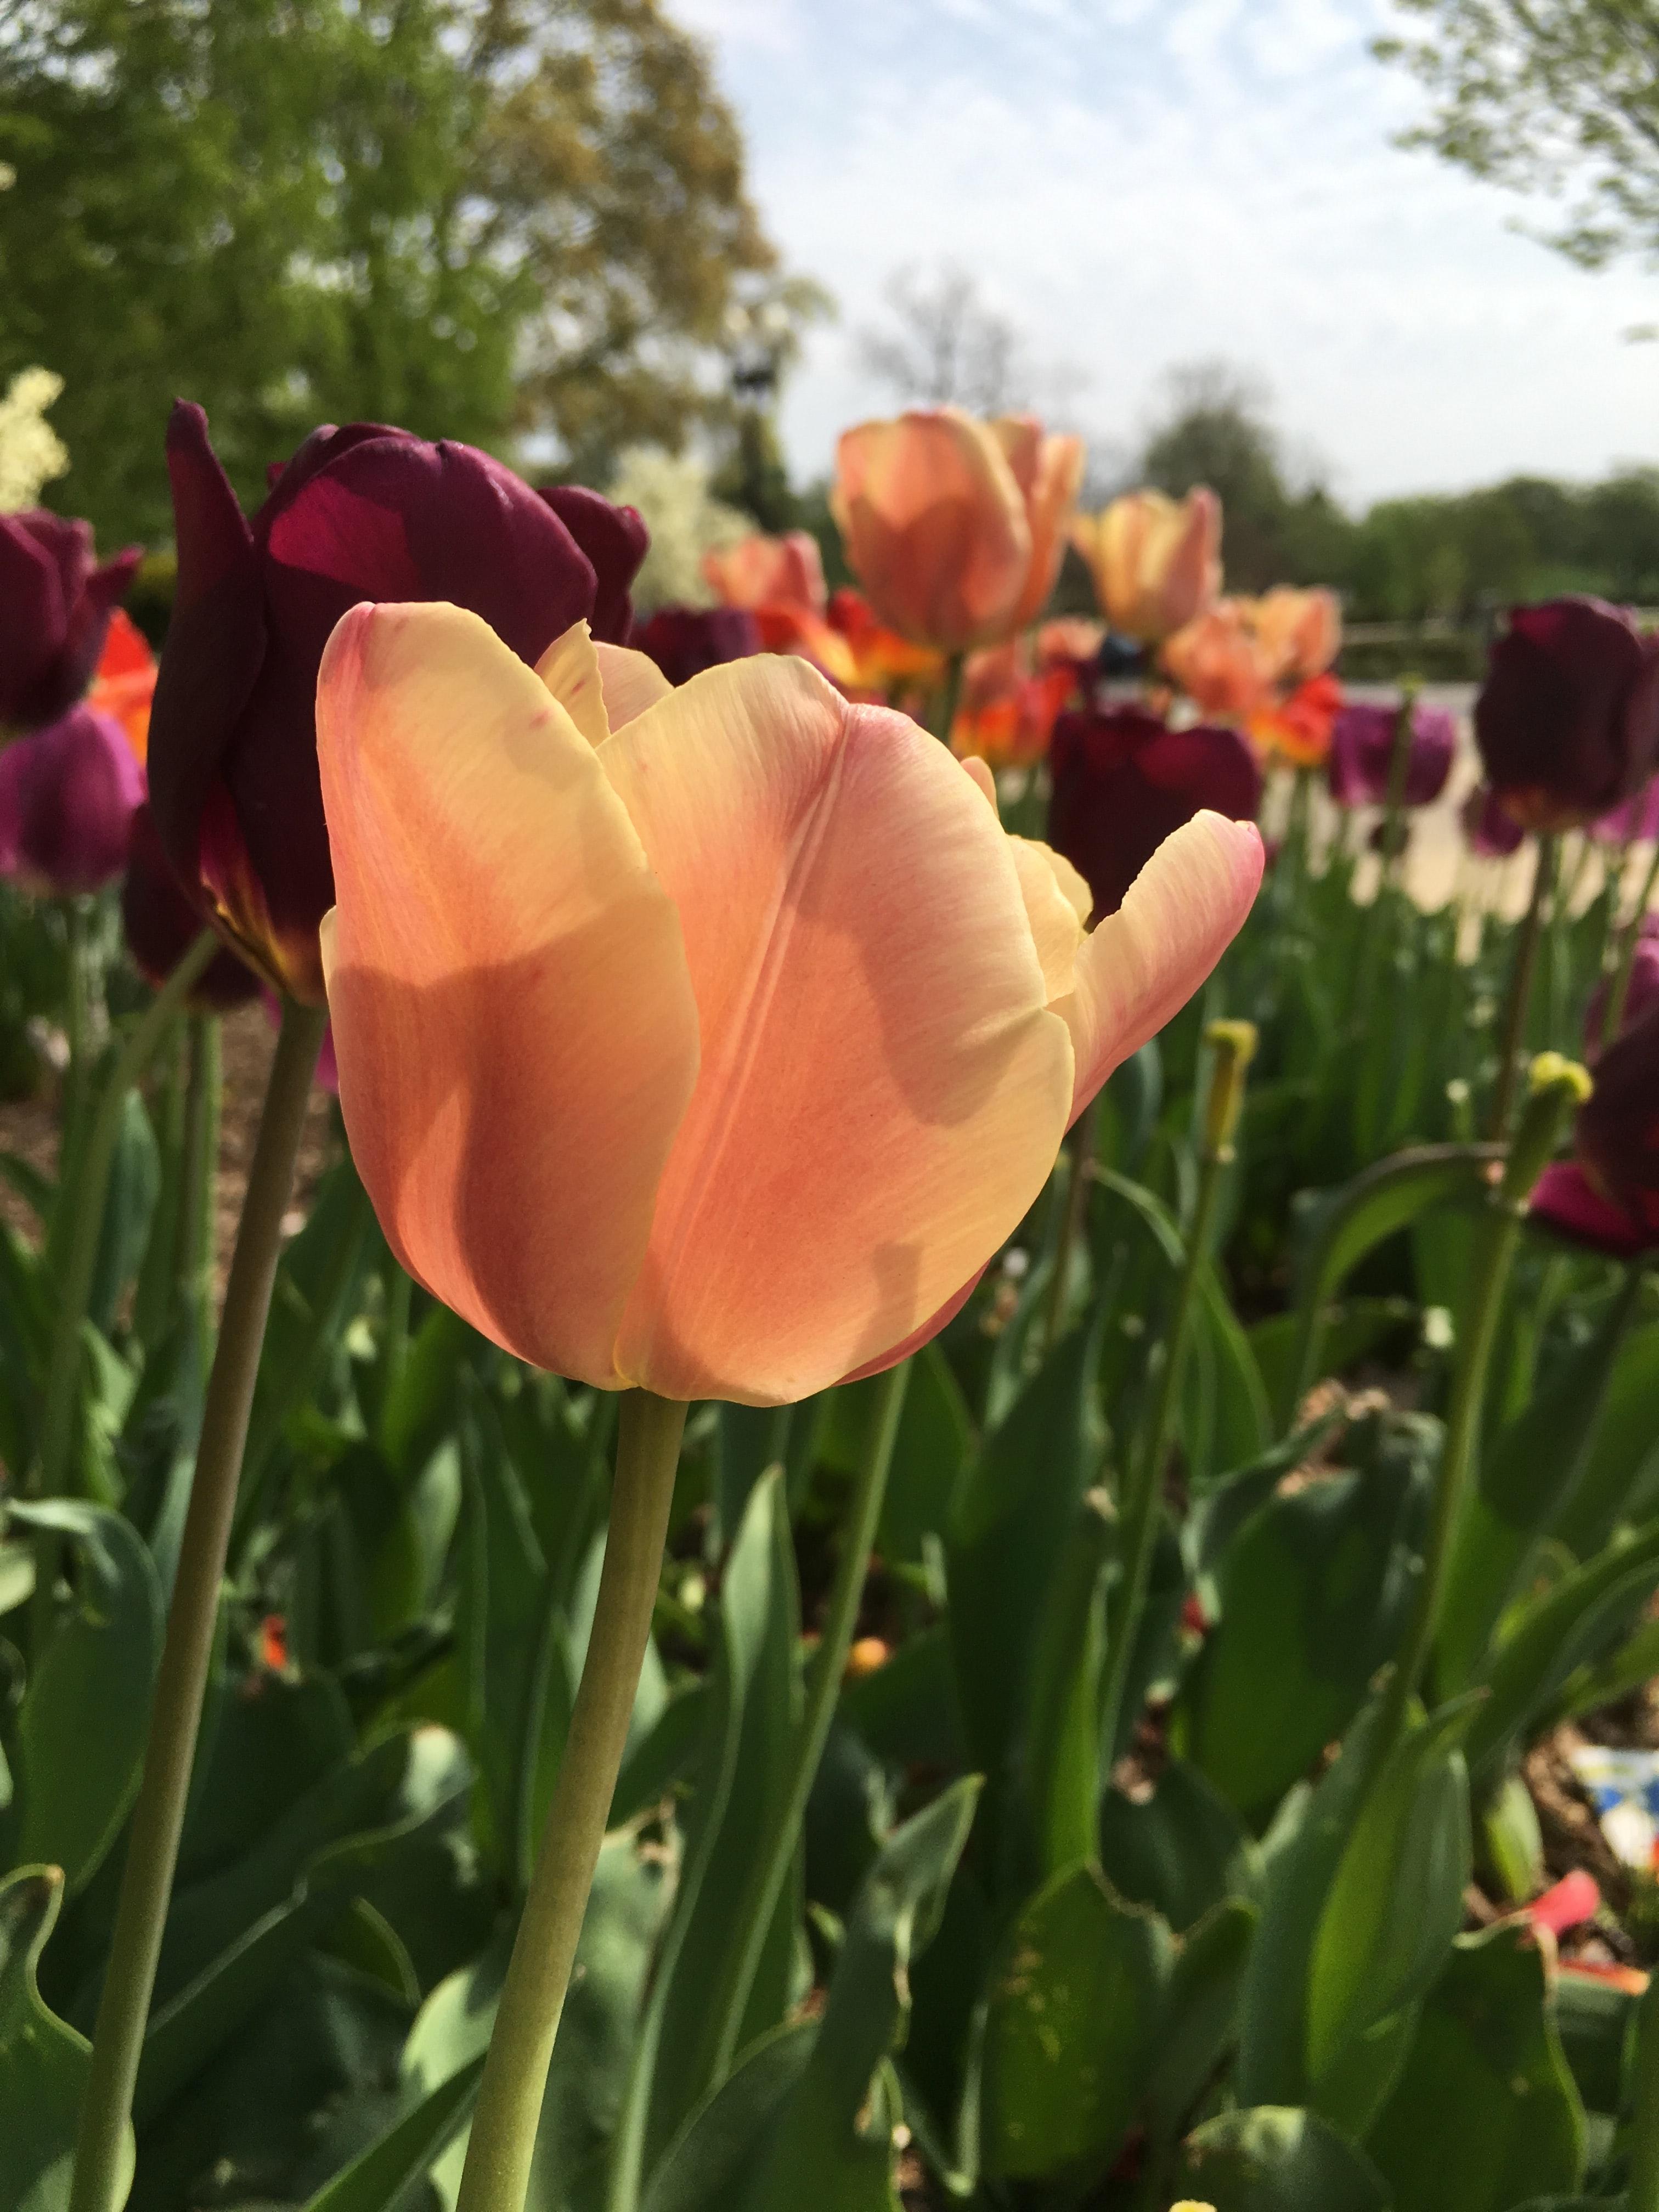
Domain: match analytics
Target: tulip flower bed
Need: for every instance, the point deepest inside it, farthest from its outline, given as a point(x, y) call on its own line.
point(932, 1492)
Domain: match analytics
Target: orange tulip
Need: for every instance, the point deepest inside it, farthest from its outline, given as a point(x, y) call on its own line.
point(761, 571)
point(1300, 728)
point(125, 684)
point(1006, 713)
point(954, 527)
point(708, 1039)
point(1155, 563)
point(1301, 632)
point(882, 661)
point(1221, 660)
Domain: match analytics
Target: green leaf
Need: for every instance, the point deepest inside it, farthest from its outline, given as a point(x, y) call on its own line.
point(43, 2061)
point(704, 2168)
point(1271, 2157)
point(1062, 1764)
point(1180, 1850)
point(419, 1411)
point(1484, 2113)
point(376, 2180)
point(80, 1730)
point(1200, 2022)
point(135, 1182)
point(1624, 1453)
point(1596, 2020)
point(1076, 2004)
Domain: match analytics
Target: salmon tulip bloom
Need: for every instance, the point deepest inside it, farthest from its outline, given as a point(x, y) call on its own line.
point(707, 1040)
point(954, 527)
point(762, 572)
point(1300, 633)
point(55, 609)
point(1006, 712)
point(1222, 662)
point(1568, 718)
point(1155, 562)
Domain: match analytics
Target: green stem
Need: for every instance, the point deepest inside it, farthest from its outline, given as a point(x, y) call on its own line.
point(498, 2158)
point(1083, 1139)
point(77, 1022)
point(1642, 2189)
point(1619, 996)
point(1394, 803)
point(181, 1682)
point(91, 1188)
point(1519, 1002)
point(950, 698)
point(193, 1285)
point(770, 1869)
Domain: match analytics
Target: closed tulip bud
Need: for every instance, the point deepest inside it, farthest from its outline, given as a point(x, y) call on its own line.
point(1123, 782)
point(1608, 1197)
point(954, 527)
point(55, 608)
point(161, 923)
point(360, 512)
point(1568, 718)
point(709, 1040)
point(1491, 830)
point(685, 641)
point(761, 571)
point(1155, 562)
point(1362, 755)
point(68, 795)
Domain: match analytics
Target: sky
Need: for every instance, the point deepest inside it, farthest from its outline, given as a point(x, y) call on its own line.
point(1140, 184)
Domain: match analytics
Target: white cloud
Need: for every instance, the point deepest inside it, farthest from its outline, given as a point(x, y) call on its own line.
point(1141, 186)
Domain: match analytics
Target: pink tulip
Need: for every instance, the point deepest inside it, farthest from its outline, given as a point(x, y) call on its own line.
point(1155, 563)
point(956, 528)
point(708, 1039)
point(763, 571)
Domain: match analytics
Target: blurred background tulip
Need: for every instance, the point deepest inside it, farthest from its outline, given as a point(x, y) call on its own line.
point(1155, 562)
point(161, 923)
point(1299, 729)
point(954, 527)
point(1492, 831)
point(360, 512)
point(1568, 719)
point(68, 795)
point(125, 684)
point(582, 1123)
point(1300, 632)
point(55, 609)
point(1607, 1196)
point(1361, 754)
point(764, 571)
point(1635, 821)
point(1005, 713)
point(1641, 989)
point(685, 641)
point(1221, 661)
point(883, 663)
point(1123, 782)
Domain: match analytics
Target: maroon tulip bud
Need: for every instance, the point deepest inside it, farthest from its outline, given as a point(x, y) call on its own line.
point(1362, 755)
point(1492, 831)
point(1608, 1197)
point(55, 606)
point(1123, 782)
point(685, 641)
point(360, 512)
point(1568, 718)
point(1640, 993)
point(68, 795)
point(161, 924)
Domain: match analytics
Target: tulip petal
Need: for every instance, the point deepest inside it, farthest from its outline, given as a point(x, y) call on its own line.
point(632, 683)
point(1141, 964)
point(883, 1089)
point(1052, 911)
point(570, 670)
point(516, 1032)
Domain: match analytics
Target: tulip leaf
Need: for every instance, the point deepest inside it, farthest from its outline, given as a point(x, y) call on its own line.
point(1484, 2113)
point(704, 2166)
point(80, 1731)
point(1200, 2022)
point(1272, 2158)
point(1076, 2004)
point(1180, 1850)
point(377, 2180)
point(1622, 1463)
point(418, 1410)
point(135, 1183)
point(43, 2061)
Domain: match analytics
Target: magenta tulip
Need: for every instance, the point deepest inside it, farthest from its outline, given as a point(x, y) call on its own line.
point(1362, 755)
point(68, 795)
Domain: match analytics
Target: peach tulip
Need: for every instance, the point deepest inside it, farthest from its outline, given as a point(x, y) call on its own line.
point(1301, 632)
point(954, 527)
point(1005, 715)
point(1222, 662)
point(1155, 563)
point(710, 1039)
point(763, 571)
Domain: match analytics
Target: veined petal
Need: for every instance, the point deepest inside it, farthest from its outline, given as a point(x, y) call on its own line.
point(883, 1087)
point(513, 1019)
point(1141, 964)
point(632, 683)
point(1052, 909)
point(570, 670)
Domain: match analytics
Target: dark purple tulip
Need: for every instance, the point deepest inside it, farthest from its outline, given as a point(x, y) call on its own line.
point(1123, 782)
point(1642, 992)
point(161, 925)
point(1362, 753)
point(68, 795)
point(361, 512)
point(685, 641)
point(1492, 833)
point(1608, 1197)
point(1568, 718)
point(55, 606)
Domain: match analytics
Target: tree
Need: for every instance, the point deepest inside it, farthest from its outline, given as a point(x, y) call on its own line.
point(1214, 431)
point(482, 219)
point(1552, 95)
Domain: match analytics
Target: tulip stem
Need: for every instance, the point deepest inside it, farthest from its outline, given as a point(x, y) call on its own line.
point(1394, 803)
point(1619, 996)
point(1518, 1005)
point(1083, 1139)
point(1233, 1044)
point(1642, 2187)
point(498, 2158)
point(770, 1868)
point(204, 1092)
point(181, 1683)
point(91, 1189)
point(77, 1022)
point(950, 698)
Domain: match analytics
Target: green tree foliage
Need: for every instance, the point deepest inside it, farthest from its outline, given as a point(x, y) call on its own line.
point(1553, 95)
point(483, 218)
